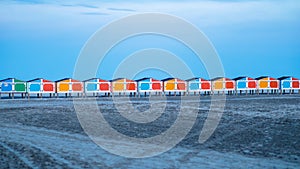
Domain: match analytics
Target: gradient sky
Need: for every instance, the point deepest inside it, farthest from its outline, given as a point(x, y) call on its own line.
point(44, 38)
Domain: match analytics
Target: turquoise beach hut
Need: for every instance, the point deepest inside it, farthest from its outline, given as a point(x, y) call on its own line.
point(289, 83)
point(150, 85)
point(198, 85)
point(97, 85)
point(245, 84)
point(40, 85)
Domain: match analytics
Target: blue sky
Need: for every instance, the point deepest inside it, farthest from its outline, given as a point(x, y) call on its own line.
point(44, 38)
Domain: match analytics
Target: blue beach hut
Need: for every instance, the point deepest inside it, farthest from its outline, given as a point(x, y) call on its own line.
point(12, 85)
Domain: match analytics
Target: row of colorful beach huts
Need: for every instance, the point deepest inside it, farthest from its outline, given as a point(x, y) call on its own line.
point(148, 86)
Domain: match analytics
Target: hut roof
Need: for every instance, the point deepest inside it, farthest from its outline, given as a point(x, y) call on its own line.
point(67, 79)
point(171, 79)
point(90, 79)
point(240, 77)
point(261, 77)
point(191, 79)
point(62, 79)
point(94, 79)
point(11, 79)
point(217, 78)
point(6, 79)
point(284, 77)
point(36, 79)
point(145, 78)
point(195, 78)
point(122, 79)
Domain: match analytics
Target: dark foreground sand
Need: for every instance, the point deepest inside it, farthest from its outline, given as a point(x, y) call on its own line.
point(254, 132)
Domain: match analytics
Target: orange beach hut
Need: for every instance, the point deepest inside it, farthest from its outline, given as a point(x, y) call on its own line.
point(69, 85)
point(223, 84)
point(174, 85)
point(267, 83)
point(123, 85)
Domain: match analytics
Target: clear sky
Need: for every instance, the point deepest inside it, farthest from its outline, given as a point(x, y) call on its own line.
point(44, 38)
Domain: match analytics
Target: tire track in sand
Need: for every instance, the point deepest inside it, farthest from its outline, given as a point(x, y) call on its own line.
point(25, 160)
point(23, 139)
